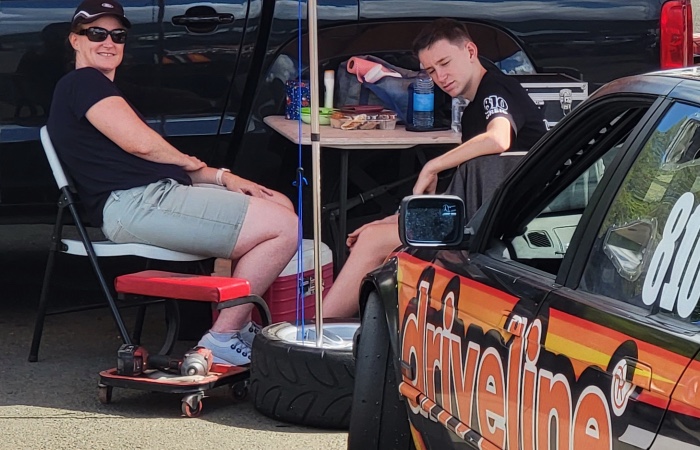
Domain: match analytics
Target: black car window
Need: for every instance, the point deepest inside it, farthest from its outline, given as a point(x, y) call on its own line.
point(645, 252)
point(541, 234)
point(545, 239)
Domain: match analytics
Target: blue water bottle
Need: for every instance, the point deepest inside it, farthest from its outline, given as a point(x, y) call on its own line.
point(423, 101)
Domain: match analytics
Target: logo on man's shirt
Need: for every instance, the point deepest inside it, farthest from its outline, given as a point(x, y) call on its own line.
point(494, 104)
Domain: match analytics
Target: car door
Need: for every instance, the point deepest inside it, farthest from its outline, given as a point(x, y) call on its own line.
point(536, 236)
point(179, 60)
point(178, 67)
point(628, 315)
point(606, 350)
point(469, 319)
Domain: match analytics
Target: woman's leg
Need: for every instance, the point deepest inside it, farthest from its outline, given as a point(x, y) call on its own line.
point(265, 245)
point(260, 234)
point(224, 267)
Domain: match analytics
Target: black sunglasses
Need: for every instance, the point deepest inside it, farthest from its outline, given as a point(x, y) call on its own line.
point(98, 34)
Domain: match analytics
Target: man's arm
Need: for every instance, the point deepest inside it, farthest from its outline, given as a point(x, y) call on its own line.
point(114, 118)
point(496, 139)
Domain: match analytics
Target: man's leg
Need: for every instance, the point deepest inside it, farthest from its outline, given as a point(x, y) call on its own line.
point(371, 249)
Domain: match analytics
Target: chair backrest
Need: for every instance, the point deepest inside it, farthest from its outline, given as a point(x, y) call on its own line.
point(58, 174)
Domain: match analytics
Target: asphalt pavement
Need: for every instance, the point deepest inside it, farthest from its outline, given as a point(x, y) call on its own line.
point(53, 403)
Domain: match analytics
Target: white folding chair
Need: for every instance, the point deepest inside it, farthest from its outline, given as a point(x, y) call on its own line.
point(95, 250)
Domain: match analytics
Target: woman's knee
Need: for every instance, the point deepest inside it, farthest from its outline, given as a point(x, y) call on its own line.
point(282, 221)
point(282, 200)
point(289, 225)
point(265, 220)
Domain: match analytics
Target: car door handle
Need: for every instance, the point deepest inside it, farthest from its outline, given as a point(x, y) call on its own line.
point(638, 373)
point(629, 371)
point(209, 19)
point(513, 323)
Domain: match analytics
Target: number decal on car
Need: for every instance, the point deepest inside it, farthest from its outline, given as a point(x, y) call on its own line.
point(681, 256)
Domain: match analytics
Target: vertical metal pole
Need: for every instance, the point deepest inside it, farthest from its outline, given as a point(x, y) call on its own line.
point(316, 165)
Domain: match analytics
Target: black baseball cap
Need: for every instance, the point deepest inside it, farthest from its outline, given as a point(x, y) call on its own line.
point(91, 10)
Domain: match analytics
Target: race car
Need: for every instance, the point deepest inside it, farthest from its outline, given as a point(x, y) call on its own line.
point(565, 314)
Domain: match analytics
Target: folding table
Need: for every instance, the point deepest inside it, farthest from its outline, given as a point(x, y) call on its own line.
point(356, 140)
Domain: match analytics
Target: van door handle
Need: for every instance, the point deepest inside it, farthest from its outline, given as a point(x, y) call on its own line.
point(212, 19)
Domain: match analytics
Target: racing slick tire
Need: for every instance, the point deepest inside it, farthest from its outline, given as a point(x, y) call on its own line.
point(379, 418)
point(294, 381)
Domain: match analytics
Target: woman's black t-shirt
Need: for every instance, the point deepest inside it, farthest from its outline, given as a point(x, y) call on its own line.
point(96, 164)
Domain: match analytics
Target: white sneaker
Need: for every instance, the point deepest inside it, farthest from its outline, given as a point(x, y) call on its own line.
point(249, 331)
point(235, 351)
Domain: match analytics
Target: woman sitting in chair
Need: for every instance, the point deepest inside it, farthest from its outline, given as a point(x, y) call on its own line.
point(139, 188)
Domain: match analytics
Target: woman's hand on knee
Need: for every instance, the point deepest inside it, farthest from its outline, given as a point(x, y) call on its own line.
point(238, 184)
point(234, 183)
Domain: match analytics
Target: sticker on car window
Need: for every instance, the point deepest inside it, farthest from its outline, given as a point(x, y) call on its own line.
point(677, 254)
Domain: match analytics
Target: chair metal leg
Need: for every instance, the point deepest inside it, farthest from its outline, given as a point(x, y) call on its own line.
point(172, 326)
point(138, 325)
point(43, 305)
point(92, 256)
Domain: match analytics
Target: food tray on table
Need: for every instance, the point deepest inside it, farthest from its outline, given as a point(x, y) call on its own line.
point(381, 120)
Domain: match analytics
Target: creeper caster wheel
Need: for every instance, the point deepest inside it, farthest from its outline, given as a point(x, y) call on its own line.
point(239, 391)
point(192, 405)
point(104, 394)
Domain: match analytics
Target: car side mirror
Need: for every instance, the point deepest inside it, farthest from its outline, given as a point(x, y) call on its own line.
point(435, 221)
point(626, 246)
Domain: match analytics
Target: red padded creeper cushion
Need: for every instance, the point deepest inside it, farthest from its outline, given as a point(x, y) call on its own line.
point(158, 283)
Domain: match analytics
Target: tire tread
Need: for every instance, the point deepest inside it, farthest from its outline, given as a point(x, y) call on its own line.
point(301, 385)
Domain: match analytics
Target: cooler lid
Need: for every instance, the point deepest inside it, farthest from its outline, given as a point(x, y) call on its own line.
point(308, 258)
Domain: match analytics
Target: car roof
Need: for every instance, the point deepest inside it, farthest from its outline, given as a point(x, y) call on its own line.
point(680, 84)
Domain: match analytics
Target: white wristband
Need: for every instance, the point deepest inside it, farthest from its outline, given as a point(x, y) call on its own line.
point(220, 176)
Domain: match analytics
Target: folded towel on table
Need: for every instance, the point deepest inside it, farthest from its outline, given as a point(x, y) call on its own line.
point(369, 71)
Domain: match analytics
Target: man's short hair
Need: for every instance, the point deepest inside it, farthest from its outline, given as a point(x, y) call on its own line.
point(449, 29)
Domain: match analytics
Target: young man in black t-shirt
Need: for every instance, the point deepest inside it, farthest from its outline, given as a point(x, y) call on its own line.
point(499, 125)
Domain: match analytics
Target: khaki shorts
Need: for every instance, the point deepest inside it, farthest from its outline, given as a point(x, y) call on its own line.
point(192, 219)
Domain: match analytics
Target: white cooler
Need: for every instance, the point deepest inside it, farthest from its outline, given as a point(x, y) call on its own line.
point(281, 296)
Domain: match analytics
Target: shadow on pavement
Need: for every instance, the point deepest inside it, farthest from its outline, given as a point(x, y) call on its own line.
point(76, 346)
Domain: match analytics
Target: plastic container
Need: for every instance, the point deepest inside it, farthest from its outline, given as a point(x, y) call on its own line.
point(423, 101)
point(297, 95)
point(329, 85)
point(409, 105)
point(458, 105)
point(281, 297)
point(324, 115)
point(384, 120)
